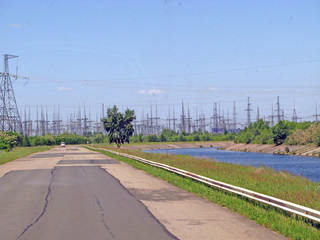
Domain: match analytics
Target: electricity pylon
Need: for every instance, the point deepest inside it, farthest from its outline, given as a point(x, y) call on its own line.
point(9, 114)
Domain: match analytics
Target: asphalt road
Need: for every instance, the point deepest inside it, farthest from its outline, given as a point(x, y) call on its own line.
point(66, 196)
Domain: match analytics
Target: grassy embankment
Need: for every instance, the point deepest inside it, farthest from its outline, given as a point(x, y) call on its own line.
point(278, 184)
point(19, 152)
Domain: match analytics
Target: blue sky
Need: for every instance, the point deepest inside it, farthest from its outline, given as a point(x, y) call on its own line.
point(137, 53)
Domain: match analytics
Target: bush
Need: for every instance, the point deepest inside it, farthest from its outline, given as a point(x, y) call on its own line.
point(163, 137)
point(152, 138)
point(280, 132)
point(26, 141)
point(196, 137)
point(182, 138)
point(8, 140)
point(287, 150)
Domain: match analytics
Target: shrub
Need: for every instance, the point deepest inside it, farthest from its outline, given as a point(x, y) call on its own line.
point(152, 138)
point(196, 137)
point(287, 150)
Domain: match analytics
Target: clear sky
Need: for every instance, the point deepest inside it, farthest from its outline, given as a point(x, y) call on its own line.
point(135, 53)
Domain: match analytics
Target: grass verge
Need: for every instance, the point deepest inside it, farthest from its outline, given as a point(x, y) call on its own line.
point(19, 152)
point(294, 227)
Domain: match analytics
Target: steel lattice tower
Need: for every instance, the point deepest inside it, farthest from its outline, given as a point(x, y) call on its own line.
point(9, 114)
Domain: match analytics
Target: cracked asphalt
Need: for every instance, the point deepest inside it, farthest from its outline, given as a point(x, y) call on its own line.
point(71, 197)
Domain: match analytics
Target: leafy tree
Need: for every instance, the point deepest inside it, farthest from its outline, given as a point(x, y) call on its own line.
point(163, 137)
point(7, 140)
point(26, 141)
point(196, 137)
point(98, 138)
point(140, 136)
point(118, 125)
point(280, 132)
point(152, 138)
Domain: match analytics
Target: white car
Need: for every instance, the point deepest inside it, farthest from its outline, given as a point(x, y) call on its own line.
point(63, 144)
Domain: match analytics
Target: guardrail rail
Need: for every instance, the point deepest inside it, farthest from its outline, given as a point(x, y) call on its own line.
point(275, 202)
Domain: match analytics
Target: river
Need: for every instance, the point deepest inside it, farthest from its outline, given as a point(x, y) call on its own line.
point(308, 167)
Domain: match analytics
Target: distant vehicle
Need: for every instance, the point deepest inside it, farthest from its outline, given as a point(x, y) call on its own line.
point(63, 144)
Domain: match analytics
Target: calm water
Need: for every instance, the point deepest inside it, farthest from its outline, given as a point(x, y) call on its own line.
point(308, 167)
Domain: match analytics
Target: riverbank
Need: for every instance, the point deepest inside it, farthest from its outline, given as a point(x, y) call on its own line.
point(264, 180)
point(299, 150)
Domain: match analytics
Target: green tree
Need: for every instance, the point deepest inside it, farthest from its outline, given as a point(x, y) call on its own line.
point(7, 142)
point(163, 137)
point(26, 141)
point(118, 125)
point(280, 132)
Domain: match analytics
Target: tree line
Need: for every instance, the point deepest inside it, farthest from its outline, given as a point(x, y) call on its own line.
point(120, 130)
point(9, 140)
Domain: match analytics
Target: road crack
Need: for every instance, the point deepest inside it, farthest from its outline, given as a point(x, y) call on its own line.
point(103, 220)
point(45, 206)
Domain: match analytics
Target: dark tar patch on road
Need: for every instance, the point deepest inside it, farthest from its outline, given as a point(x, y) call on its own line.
point(103, 161)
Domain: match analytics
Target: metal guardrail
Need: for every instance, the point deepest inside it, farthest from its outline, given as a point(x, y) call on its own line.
point(272, 201)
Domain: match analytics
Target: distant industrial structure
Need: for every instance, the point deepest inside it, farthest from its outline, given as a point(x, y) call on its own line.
point(80, 122)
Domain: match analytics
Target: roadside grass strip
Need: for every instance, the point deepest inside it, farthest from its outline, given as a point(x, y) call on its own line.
point(290, 225)
point(19, 152)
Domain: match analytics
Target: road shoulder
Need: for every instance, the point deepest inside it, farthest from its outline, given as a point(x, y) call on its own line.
point(185, 215)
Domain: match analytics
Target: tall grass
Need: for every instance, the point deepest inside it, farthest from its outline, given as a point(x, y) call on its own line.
point(19, 152)
point(274, 183)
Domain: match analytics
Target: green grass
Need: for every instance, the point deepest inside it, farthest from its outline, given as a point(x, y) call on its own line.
point(267, 181)
point(19, 152)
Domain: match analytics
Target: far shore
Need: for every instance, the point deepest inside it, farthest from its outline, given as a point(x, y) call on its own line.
point(300, 150)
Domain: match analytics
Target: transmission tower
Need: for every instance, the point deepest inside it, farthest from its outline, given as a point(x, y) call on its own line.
point(294, 116)
point(278, 110)
point(234, 117)
point(271, 117)
point(248, 112)
point(9, 114)
point(316, 115)
point(183, 118)
point(189, 121)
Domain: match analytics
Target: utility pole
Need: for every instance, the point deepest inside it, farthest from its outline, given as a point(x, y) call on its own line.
point(248, 110)
point(316, 115)
point(216, 118)
point(25, 122)
point(228, 121)
point(174, 120)
point(258, 114)
point(294, 116)
point(37, 121)
point(9, 113)
point(278, 110)
point(271, 116)
point(189, 121)
point(234, 117)
point(197, 120)
point(47, 121)
point(30, 126)
point(183, 124)
point(152, 119)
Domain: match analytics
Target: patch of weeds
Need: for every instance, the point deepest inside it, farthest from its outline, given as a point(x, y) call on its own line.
point(287, 150)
